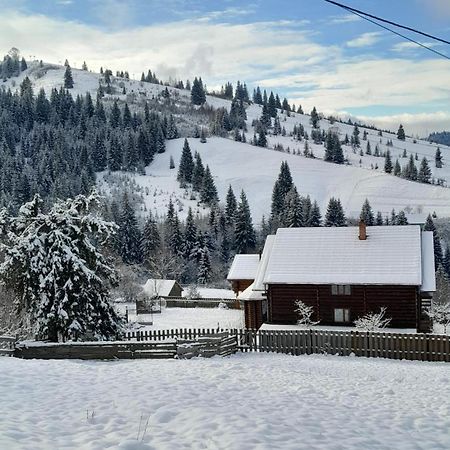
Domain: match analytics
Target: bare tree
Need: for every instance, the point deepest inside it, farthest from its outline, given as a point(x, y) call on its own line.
point(304, 314)
point(373, 321)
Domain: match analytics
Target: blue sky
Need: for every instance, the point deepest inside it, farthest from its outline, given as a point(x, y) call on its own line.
point(310, 51)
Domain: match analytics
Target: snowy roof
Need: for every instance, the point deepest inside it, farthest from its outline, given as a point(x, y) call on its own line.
point(428, 270)
point(258, 285)
point(389, 255)
point(416, 219)
point(244, 267)
point(158, 288)
point(251, 294)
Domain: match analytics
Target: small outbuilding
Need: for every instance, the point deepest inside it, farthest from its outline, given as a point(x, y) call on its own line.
point(243, 272)
point(155, 288)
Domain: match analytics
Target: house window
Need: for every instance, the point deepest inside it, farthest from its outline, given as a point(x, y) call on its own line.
point(341, 315)
point(341, 289)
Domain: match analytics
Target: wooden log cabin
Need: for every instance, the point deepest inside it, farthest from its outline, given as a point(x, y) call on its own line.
point(243, 272)
point(344, 273)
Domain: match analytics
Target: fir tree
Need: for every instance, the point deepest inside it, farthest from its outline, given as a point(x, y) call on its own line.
point(314, 119)
point(292, 210)
point(397, 168)
point(438, 159)
point(198, 96)
point(186, 166)
point(208, 192)
point(367, 214)
point(335, 216)
point(151, 239)
point(190, 235)
point(245, 237)
point(198, 173)
point(230, 207)
point(52, 262)
point(401, 133)
point(430, 226)
point(388, 162)
point(129, 235)
point(424, 175)
point(204, 266)
point(315, 218)
point(68, 79)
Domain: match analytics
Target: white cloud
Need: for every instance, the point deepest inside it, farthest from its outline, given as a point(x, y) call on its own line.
point(365, 40)
point(402, 46)
point(348, 18)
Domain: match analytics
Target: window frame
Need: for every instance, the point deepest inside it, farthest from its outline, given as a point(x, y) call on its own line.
point(345, 315)
point(341, 290)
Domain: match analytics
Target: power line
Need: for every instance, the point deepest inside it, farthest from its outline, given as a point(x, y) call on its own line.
point(414, 30)
point(362, 15)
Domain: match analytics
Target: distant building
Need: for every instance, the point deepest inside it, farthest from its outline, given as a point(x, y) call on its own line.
point(155, 288)
point(344, 273)
point(243, 272)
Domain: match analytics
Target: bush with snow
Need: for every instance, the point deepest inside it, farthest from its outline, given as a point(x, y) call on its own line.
point(222, 305)
point(192, 292)
point(373, 321)
point(439, 313)
point(304, 314)
point(53, 264)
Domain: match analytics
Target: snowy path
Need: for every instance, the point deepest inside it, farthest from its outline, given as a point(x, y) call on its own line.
point(243, 402)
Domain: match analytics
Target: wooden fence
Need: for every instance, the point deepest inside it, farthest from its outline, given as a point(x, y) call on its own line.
point(180, 333)
point(417, 347)
point(7, 344)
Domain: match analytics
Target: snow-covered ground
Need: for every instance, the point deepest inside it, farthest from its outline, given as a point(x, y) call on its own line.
point(248, 401)
point(175, 318)
point(255, 169)
point(214, 293)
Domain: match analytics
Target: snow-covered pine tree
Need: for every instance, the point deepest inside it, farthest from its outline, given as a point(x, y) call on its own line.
point(151, 239)
point(401, 133)
point(430, 226)
point(292, 216)
point(335, 216)
point(68, 78)
point(204, 267)
point(208, 192)
point(186, 166)
point(438, 159)
point(52, 261)
point(245, 236)
point(424, 175)
point(314, 119)
point(367, 214)
point(198, 173)
point(198, 95)
point(190, 235)
point(129, 235)
point(388, 162)
point(397, 168)
point(230, 207)
point(315, 217)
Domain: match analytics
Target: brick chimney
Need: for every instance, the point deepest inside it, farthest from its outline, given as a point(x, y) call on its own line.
point(362, 230)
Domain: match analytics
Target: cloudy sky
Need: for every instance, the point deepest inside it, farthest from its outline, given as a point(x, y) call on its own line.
point(307, 50)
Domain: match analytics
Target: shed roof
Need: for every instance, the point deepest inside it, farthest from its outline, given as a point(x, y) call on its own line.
point(389, 255)
point(244, 267)
point(159, 288)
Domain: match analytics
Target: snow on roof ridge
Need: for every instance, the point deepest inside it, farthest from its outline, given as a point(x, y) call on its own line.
point(244, 267)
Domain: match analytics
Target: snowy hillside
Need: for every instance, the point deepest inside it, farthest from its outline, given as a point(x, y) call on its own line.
point(255, 169)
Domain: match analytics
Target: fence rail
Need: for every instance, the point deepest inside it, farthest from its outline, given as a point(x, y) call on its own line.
point(416, 347)
point(7, 344)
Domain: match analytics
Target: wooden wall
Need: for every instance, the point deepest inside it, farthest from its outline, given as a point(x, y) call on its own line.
point(240, 285)
point(253, 314)
point(401, 303)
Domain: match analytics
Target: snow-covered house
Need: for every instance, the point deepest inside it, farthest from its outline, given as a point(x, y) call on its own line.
point(155, 288)
point(243, 272)
point(344, 273)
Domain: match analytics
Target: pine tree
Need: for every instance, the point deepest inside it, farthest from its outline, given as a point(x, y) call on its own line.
point(401, 133)
point(429, 226)
point(397, 169)
point(52, 262)
point(282, 186)
point(151, 239)
point(198, 96)
point(367, 214)
point(292, 211)
point(424, 175)
point(186, 166)
point(438, 159)
point(68, 79)
point(198, 173)
point(388, 162)
point(208, 192)
point(355, 136)
point(379, 219)
point(129, 235)
point(204, 266)
point(172, 233)
point(335, 216)
point(314, 119)
point(315, 218)
point(245, 237)
point(230, 207)
point(190, 235)
point(171, 163)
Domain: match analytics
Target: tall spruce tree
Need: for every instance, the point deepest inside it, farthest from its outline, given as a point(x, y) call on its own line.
point(401, 133)
point(388, 162)
point(245, 236)
point(151, 239)
point(230, 207)
point(424, 175)
point(186, 166)
point(68, 78)
point(335, 216)
point(430, 226)
point(438, 159)
point(129, 235)
point(208, 192)
point(367, 214)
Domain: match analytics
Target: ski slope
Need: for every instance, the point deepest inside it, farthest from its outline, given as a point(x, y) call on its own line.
point(255, 169)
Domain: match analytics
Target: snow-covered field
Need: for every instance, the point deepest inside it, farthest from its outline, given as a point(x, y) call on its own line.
point(255, 169)
point(175, 318)
point(248, 401)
